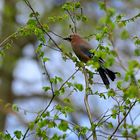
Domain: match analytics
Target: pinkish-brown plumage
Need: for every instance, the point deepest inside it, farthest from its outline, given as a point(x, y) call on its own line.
point(82, 51)
point(79, 46)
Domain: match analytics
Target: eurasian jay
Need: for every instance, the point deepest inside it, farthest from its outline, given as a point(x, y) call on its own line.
point(82, 51)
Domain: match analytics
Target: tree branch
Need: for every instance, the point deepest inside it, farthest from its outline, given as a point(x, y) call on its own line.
point(122, 119)
point(87, 104)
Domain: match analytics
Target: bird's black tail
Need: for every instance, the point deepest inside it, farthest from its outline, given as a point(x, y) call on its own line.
point(110, 74)
point(104, 72)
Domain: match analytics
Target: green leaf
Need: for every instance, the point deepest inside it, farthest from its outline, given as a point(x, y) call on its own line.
point(42, 123)
point(18, 134)
point(46, 27)
point(45, 114)
point(45, 59)
point(46, 88)
point(32, 22)
point(124, 35)
point(84, 18)
point(63, 126)
point(55, 137)
point(93, 126)
point(76, 127)
point(109, 61)
point(68, 109)
point(31, 125)
point(51, 124)
point(102, 5)
point(68, 6)
point(52, 19)
point(98, 36)
point(2, 53)
point(38, 49)
point(58, 107)
point(56, 80)
point(41, 133)
point(55, 117)
point(132, 92)
point(137, 52)
point(102, 95)
point(39, 33)
point(111, 93)
point(77, 5)
point(4, 136)
point(110, 11)
point(137, 41)
point(110, 125)
point(57, 92)
point(134, 131)
point(62, 91)
point(114, 113)
point(15, 108)
point(41, 54)
point(105, 29)
point(67, 100)
point(79, 87)
point(119, 17)
point(128, 102)
point(133, 64)
point(64, 109)
point(121, 108)
point(36, 14)
point(124, 133)
point(119, 84)
point(7, 46)
point(83, 131)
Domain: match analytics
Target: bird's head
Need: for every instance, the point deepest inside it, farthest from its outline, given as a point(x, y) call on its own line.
point(72, 37)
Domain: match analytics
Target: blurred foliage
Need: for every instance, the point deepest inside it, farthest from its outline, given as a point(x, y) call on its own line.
point(56, 121)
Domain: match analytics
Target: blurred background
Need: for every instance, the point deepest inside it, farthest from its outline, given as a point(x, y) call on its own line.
point(21, 74)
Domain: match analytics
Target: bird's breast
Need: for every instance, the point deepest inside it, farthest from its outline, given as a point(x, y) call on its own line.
point(80, 54)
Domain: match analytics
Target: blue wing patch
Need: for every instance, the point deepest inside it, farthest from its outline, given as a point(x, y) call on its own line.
point(86, 51)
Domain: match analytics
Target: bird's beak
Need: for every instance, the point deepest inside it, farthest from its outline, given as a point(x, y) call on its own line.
point(67, 38)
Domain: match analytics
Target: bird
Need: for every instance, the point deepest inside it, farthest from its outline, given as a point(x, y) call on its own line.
point(82, 49)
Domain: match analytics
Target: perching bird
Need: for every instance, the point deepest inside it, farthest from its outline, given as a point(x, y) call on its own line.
point(82, 51)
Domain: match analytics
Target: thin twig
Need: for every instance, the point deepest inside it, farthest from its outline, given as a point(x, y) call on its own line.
point(73, 21)
point(101, 122)
point(118, 57)
point(125, 126)
point(49, 78)
point(56, 34)
point(41, 26)
point(87, 104)
point(50, 47)
point(53, 96)
point(68, 79)
point(132, 18)
point(7, 39)
point(122, 120)
point(112, 42)
point(119, 136)
point(27, 130)
point(29, 5)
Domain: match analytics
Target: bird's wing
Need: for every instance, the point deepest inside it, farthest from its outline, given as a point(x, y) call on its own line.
point(86, 51)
